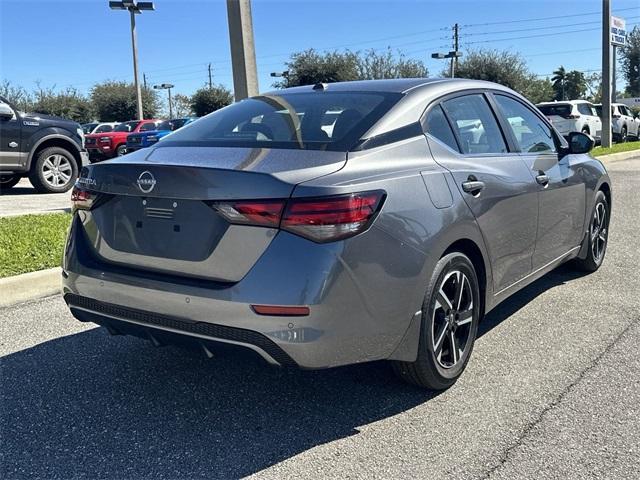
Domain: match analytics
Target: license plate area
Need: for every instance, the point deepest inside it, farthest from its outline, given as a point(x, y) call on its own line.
point(160, 227)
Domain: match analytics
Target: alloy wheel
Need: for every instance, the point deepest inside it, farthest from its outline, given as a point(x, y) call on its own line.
point(452, 319)
point(57, 170)
point(599, 232)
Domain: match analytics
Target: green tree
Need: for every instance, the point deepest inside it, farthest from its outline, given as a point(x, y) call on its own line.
point(630, 62)
point(181, 105)
point(116, 101)
point(538, 90)
point(569, 85)
point(17, 95)
point(576, 85)
point(68, 103)
point(207, 100)
point(310, 67)
point(506, 68)
point(559, 81)
point(373, 65)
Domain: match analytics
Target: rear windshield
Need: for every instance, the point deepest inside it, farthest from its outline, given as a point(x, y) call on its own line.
point(310, 121)
point(559, 110)
point(126, 127)
point(88, 127)
point(104, 129)
point(171, 124)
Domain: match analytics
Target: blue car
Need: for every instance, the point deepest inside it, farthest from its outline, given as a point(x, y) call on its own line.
point(136, 141)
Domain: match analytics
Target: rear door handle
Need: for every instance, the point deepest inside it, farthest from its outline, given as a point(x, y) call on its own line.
point(472, 186)
point(542, 179)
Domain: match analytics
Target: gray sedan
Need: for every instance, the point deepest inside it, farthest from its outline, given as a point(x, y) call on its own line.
point(335, 224)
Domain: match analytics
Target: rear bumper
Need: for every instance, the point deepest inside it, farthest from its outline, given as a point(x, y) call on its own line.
point(357, 312)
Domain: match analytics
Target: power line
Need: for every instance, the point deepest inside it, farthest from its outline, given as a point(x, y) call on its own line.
point(535, 36)
point(539, 19)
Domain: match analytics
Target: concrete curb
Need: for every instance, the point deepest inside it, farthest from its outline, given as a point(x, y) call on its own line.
point(29, 286)
point(619, 156)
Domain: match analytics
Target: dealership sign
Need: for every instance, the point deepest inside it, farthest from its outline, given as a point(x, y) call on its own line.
point(618, 31)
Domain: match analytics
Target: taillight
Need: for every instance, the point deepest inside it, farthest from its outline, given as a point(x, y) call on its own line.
point(331, 218)
point(264, 213)
point(320, 219)
point(82, 199)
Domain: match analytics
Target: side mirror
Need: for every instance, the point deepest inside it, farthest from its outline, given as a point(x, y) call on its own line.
point(5, 111)
point(580, 142)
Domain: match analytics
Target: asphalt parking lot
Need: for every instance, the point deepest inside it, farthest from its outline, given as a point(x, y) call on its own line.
point(552, 391)
point(23, 199)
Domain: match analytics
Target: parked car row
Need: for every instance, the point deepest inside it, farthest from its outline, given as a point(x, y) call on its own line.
point(108, 140)
point(583, 116)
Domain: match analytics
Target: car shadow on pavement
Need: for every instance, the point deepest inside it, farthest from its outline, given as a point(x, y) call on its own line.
point(504, 310)
point(88, 405)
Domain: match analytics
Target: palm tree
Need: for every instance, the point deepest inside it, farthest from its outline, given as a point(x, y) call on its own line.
point(559, 78)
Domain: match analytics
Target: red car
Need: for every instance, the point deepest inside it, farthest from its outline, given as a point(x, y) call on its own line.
point(114, 144)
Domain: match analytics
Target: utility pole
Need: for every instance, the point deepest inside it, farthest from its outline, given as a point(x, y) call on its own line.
point(243, 54)
point(144, 80)
point(606, 74)
point(210, 77)
point(454, 59)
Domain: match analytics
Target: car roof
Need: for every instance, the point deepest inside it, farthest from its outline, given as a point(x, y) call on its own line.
point(391, 85)
point(564, 102)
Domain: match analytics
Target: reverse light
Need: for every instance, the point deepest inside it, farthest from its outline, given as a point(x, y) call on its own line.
point(320, 219)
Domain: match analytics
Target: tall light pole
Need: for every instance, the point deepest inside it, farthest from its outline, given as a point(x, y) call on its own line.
point(134, 8)
point(453, 55)
point(168, 87)
point(605, 139)
point(243, 53)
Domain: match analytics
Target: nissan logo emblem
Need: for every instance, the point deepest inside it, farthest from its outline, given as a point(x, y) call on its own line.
point(146, 181)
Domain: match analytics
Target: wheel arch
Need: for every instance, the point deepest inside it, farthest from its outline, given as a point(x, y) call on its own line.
point(55, 140)
point(471, 249)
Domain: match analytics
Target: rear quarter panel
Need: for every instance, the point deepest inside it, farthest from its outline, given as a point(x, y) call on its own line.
point(389, 266)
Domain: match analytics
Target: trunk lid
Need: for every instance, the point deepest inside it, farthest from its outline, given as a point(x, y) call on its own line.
point(155, 211)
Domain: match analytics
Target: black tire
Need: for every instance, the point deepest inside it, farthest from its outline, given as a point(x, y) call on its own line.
point(597, 236)
point(430, 370)
point(623, 135)
point(8, 181)
point(121, 150)
point(586, 130)
point(46, 179)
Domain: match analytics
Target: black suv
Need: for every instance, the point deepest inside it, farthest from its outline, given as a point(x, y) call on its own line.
point(49, 150)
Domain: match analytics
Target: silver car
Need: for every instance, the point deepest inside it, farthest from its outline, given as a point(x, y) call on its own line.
point(335, 224)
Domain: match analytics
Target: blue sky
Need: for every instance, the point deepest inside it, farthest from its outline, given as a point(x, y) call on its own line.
point(80, 42)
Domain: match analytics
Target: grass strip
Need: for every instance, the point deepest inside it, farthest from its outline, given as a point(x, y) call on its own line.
point(32, 242)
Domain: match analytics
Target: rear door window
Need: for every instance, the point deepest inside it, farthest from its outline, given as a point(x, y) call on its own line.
point(437, 126)
point(475, 125)
point(146, 127)
point(584, 109)
point(563, 110)
point(532, 134)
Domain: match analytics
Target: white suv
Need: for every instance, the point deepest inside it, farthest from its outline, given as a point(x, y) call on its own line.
point(623, 123)
point(573, 116)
